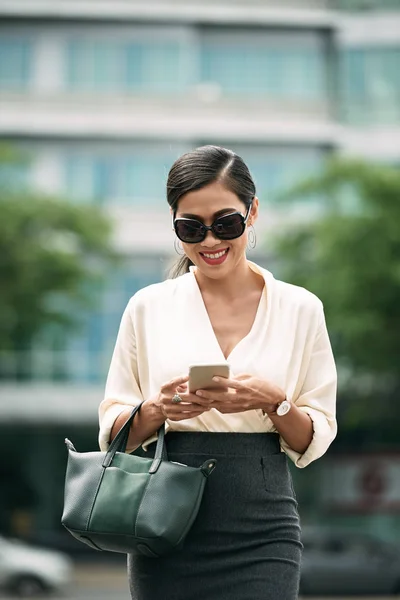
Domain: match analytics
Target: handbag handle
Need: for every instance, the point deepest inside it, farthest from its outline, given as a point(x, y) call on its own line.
point(120, 441)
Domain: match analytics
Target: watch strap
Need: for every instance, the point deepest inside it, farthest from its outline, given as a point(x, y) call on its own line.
point(274, 412)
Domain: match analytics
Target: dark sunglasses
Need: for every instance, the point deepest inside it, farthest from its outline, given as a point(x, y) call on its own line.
point(226, 227)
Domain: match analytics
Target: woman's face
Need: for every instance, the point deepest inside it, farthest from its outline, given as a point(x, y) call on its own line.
point(206, 205)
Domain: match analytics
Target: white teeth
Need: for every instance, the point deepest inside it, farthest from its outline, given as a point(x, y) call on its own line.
point(217, 255)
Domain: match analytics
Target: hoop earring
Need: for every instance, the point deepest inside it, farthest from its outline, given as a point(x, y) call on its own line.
point(178, 247)
point(251, 238)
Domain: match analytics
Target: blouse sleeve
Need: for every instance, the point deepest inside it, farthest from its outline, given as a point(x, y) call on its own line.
point(318, 399)
point(122, 386)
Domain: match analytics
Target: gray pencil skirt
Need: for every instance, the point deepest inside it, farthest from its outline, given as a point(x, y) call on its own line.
point(245, 543)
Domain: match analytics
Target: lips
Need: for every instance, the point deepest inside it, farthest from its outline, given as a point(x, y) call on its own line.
point(215, 258)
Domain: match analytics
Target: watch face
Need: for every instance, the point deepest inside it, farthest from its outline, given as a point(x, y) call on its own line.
point(283, 408)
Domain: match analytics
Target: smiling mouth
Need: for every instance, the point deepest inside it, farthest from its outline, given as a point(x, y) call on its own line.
point(214, 258)
point(214, 255)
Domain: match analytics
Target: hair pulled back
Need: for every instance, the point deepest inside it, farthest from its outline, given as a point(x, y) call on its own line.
point(200, 167)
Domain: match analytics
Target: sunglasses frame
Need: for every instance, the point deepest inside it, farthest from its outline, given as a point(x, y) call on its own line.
point(207, 228)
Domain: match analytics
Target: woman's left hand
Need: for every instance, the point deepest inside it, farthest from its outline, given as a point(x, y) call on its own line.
point(243, 392)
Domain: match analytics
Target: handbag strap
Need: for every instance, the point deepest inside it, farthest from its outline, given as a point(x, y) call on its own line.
point(120, 442)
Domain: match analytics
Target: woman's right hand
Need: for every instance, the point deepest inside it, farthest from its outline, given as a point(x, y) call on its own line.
point(191, 405)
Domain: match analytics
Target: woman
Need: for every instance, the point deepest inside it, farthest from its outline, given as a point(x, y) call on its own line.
point(245, 543)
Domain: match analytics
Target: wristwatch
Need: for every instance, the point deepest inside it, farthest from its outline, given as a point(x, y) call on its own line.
point(283, 408)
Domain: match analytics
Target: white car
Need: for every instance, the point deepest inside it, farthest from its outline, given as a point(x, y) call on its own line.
point(27, 571)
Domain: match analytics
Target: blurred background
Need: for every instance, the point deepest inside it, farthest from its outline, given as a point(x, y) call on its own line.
point(97, 99)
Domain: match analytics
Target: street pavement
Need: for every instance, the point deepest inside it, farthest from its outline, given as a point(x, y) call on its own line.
point(103, 582)
point(92, 582)
point(99, 582)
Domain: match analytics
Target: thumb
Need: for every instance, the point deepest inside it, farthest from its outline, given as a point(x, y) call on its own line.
point(243, 376)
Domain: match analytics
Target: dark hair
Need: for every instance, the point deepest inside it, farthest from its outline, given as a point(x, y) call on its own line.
point(200, 167)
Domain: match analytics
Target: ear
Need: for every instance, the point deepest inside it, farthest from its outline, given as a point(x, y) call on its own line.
point(253, 212)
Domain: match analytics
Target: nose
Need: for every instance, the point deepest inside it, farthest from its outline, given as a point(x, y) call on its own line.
point(210, 240)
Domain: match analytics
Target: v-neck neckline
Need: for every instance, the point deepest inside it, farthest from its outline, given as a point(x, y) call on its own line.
point(254, 327)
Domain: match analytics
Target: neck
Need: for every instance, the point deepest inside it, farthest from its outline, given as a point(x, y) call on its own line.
point(239, 282)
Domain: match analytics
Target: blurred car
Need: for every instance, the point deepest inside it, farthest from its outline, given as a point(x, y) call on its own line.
point(342, 562)
point(26, 571)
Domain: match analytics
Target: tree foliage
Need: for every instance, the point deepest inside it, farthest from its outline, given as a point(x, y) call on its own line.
point(350, 257)
point(51, 252)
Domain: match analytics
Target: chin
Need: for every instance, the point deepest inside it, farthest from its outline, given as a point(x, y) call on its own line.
point(214, 272)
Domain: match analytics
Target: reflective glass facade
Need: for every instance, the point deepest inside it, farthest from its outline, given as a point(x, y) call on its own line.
point(361, 5)
point(139, 177)
point(122, 177)
point(292, 68)
point(275, 169)
point(280, 66)
point(105, 65)
point(84, 355)
point(240, 62)
point(14, 176)
point(16, 61)
point(371, 85)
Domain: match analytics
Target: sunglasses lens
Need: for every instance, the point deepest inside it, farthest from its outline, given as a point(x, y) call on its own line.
point(189, 231)
point(229, 227)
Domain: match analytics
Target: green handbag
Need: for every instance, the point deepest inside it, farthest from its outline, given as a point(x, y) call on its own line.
point(125, 503)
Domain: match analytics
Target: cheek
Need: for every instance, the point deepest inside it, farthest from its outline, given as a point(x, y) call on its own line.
point(240, 244)
point(188, 249)
point(191, 252)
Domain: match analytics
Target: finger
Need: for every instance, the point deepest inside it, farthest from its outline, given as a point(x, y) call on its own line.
point(174, 383)
point(193, 410)
point(184, 407)
point(195, 399)
point(215, 395)
point(228, 408)
point(221, 380)
point(186, 415)
point(230, 383)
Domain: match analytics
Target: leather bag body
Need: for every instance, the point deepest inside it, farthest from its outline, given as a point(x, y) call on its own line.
point(125, 503)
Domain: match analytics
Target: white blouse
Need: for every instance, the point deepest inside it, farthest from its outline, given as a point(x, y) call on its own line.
point(165, 329)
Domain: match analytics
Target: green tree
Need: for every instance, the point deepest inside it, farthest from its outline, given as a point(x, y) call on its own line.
point(350, 257)
point(52, 253)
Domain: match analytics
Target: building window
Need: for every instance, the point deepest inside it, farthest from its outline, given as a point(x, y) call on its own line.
point(371, 85)
point(86, 355)
point(123, 179)
point(279, 67)
point(15, 63)
point(83, 354)
point(127, 66)
point(275, 169)
point(14, 177)
point(365, 5)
